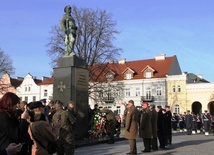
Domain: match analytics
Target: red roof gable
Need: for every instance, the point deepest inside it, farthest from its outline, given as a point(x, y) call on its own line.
point(161, 67)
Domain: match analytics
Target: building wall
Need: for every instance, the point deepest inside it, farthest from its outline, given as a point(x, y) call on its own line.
point(5, 85)
point(29, 89)
point(176, 97)
point(46, 92)
point(200, 92)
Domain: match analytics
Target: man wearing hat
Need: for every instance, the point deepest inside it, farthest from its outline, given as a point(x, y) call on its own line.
point(206, 121)
point(131, 128)
point(146, 127)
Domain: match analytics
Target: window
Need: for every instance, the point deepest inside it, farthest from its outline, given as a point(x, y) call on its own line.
point(148, 74)
point(45, 92)
point(26, 99)
point(25, 88)
point(34, 98)
point(118, 110)
point(137, 92)
point(117, 92)
point(148, 93)
point(179, 88)
point(28, 88)
point(177, 109)
point(101, 94)
point(128, 76)
point(159, 91)
point(173, 89)
point(127, 92)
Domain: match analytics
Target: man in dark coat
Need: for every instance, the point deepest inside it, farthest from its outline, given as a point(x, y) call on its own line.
point(131, 128)
point(154, 120)
point(168, 126)
point(161, 127)
point(146, 127)
point(188, 122)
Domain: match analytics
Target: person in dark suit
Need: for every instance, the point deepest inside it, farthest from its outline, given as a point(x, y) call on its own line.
point(161, 127)
point(131, 128)
point(154, 127)
point(146, 127)
point(188, 122)
point(168, 126)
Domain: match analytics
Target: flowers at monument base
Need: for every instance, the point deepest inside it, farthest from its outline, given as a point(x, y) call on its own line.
point(97, 125)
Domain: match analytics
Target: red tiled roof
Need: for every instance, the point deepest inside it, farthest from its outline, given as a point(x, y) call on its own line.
point(47, 81)
point(37, 81)
point(15, 82)
point(161, 67)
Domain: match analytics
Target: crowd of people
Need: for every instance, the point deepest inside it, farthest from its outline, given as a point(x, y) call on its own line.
point(193, 123)
point(155, 126)
point(33, 128)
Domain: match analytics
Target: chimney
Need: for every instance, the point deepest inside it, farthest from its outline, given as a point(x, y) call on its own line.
point(160, 57)
point(122, 61)
point(200, 76)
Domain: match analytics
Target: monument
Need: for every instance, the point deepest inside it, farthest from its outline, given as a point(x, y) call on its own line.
point(71, 78)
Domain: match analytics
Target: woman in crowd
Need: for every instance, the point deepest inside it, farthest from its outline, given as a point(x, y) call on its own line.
point(40, 130)
point(11, 129)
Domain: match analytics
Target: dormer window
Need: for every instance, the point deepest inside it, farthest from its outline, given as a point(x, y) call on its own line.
point(128, 73)
point(148, 72)
point(128, 76)
point(110, 75)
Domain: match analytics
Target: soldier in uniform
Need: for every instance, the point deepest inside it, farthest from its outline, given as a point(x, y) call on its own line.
point(111, 124)
point(131, 128)
point(154, 120)
point(199, 123)
point(168, 126)
point(194, 123)
point(65, 140)
point(188, 122)
point(206, 122)
point(174, 121)
point(181, 122)
point(146, 127)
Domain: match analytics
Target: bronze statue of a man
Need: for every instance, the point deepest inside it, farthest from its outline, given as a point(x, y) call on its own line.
point(68, 25)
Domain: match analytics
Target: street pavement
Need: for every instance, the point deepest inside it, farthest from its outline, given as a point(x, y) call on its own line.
point(183, 144)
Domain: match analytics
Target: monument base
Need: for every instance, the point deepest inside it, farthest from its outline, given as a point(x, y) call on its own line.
point(71, 84)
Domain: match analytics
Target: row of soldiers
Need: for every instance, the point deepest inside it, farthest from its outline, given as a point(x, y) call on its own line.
point(193, 123)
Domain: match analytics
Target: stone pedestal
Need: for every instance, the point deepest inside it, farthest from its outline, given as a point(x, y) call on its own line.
point(71, 84)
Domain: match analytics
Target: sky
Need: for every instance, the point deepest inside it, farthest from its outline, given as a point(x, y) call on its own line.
point(184, 28)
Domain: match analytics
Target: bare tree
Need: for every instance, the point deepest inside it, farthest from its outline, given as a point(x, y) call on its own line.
point(5, 67)
point(5, 63)
point(95, 35)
